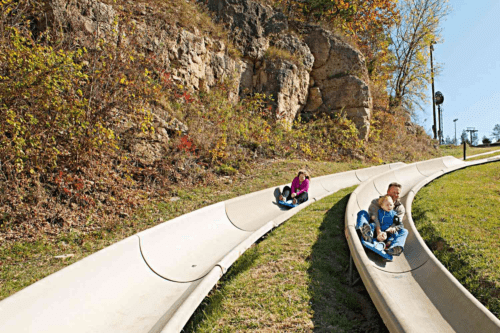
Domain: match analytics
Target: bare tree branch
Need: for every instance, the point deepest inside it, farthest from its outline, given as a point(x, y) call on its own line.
point(411, 38)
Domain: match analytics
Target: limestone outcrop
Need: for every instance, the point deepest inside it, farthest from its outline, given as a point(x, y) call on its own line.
point(250, 23)
point(314, 74)
point(322, 74)
point(338, 79)
point(287, 80)
point(260, 34)
point(195, 61)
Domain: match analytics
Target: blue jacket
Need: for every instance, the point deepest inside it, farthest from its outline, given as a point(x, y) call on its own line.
point(386, 218)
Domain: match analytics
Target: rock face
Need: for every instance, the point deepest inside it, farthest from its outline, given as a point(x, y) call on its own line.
point(200, 62)
point(194, 61)
point(314, 74)
point(250, 24)
point(260, 34)
point(286, 80)
point(326, 74)
point(86, 18)
point(339, 79)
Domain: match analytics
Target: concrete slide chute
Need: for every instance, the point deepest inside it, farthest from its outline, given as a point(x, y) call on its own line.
point(186, 248)
point(110, 291)
point(407, 176)
point(154, 281)
point(414, 292)
point(364, 174)
point(430, 167)
point(249, 212)
point(335, 182)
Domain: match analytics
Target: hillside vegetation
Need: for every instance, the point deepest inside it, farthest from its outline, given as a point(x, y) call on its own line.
point(69, 109)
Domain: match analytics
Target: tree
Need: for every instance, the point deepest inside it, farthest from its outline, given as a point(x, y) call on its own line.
point(486, 140)
point(448, 141)
point(411, 39)
point(351, 16)
point(496, 132)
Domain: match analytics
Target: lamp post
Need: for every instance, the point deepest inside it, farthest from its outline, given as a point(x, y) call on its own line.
point(434, 128)
point(439, 98)
point(455, 121)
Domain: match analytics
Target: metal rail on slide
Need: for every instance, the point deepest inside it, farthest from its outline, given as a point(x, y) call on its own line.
point(154, 281)
point(414, 292)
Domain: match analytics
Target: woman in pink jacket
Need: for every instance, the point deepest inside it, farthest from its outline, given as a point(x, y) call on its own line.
point(298, 192)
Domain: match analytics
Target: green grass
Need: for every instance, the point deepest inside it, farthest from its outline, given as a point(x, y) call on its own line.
point(484, 156)
point(458, 215)
point(25, 262)
point(294, 280)
point(458, 151)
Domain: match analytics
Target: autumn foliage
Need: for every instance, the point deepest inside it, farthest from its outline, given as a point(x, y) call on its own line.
point(67, 108)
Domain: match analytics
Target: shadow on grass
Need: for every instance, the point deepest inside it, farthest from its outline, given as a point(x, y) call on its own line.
point(337, 306)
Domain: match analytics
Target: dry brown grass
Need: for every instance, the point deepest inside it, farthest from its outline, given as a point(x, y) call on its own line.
point(391, 141)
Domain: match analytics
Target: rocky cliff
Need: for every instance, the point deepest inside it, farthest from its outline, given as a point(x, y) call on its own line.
point(326, 75)
point(313, 72)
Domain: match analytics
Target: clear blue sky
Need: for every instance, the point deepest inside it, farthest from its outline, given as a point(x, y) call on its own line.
point(470, 61)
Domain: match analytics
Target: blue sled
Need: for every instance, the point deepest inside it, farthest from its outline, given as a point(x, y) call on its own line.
point(378, 248)
point(287, 203)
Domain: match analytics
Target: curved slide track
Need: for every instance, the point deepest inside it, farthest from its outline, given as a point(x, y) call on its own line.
point(154, 281)
point(414, 292)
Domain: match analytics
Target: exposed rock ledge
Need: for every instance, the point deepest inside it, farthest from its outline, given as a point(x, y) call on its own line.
point(330, 78)
point(321, 74)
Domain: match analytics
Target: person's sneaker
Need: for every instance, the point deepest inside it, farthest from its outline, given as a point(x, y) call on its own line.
point(395, 251)
point(366, 233)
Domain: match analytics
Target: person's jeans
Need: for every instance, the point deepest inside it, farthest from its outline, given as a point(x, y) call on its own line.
point(287, 195)
point(396, 239)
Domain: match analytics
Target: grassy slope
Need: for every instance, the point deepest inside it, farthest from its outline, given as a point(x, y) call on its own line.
point(458, 151)
point(294, 280)
point(25, 262)
point(459, 216)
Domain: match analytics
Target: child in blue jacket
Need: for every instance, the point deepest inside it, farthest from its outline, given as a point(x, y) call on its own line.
point(394, 239)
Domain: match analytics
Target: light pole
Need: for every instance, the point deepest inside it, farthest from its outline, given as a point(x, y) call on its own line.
point(439, 98)
point(455, 121)
point(434, 128)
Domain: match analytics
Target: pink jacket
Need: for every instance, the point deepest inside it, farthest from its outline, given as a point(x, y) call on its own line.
point(300, 188)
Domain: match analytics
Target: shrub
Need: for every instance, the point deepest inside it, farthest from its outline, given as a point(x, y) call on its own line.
point(44, 115)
